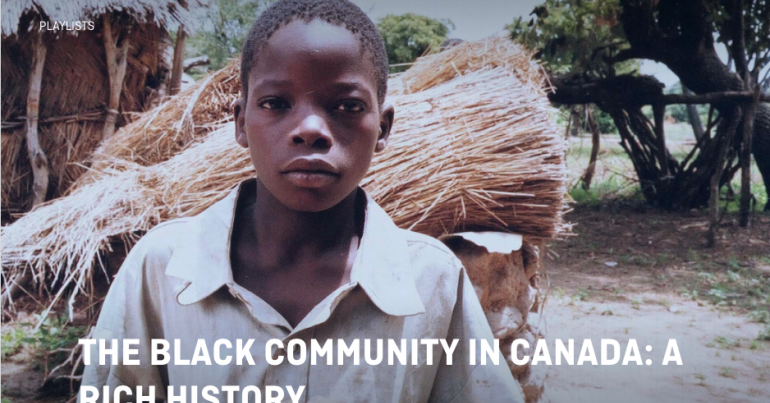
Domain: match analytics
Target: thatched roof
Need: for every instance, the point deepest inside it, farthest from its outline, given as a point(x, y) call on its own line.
point(166, 14)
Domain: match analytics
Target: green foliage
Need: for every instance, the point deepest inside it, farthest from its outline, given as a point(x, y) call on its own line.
point(49, 343)
point(604, 120)
point(756, 15)
point(408, 36)
point(223, 29)
point(679, 111)
point(575, 35)
point(11, 341)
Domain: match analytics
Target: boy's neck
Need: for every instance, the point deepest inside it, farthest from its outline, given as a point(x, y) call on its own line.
point(282, 232)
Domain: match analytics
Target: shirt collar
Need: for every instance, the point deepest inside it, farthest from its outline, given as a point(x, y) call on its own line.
point(381, 267)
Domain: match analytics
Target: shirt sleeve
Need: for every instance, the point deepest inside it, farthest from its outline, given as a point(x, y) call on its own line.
point(127, 313)
point(462, 381)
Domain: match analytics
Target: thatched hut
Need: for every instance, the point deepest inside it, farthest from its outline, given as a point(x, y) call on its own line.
point(71, 72)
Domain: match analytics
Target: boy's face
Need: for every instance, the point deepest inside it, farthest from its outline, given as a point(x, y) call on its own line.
point(312, 120)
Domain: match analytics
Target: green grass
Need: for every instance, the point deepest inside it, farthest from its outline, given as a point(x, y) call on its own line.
point(760, 316)
point(581, 295)
point(727, 372)
point(764, 335)
point(723, 343)
point(733, 283)
point(757, 189)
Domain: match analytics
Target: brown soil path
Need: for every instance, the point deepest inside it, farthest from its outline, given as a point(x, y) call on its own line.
point(638, 274)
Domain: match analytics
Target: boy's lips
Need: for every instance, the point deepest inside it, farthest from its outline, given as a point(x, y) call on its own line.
point(310, 173)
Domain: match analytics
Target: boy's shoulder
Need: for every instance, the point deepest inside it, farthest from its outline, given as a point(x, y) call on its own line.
point(431, 260)
point(165, 236)
point(421, 244)
point(425, 258)
point(154, 250)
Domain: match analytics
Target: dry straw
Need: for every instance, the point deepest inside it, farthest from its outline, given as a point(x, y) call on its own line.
point(475, 149)
point(75, 83)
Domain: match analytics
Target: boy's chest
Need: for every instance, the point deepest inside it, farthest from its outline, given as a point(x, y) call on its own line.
point(353, 318)
point(294, 290)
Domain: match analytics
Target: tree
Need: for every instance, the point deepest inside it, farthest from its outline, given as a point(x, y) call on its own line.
point(680, 34)
point(224, 28)
point(408, 36)
point(574, 36)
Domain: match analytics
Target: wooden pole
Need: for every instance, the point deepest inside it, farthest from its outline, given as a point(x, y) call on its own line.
point(37, 158)
point(117, 58)
point(659, 112)
point(178, 66)
point(195, 61)
point(723, 144)
point(745, 157)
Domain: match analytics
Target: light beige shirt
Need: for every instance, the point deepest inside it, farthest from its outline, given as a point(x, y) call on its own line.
point(177, 284)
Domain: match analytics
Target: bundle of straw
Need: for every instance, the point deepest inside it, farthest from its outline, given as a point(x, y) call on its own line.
point(164, 131)
point(498, 51)
point(478, 151)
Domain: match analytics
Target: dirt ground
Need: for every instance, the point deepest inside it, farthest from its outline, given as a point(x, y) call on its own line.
point(648, 276)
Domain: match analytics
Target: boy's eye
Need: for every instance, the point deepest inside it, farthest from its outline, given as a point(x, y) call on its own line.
point(351, 106)
point(274, 103)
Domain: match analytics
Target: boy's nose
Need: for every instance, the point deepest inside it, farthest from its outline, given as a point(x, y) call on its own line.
point(312, 131)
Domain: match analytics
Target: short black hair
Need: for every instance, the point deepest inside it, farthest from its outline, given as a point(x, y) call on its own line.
point(336, 12)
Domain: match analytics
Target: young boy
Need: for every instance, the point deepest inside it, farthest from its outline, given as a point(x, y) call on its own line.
point(301, 254)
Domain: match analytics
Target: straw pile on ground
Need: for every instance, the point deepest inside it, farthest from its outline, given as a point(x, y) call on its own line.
point(474, 149)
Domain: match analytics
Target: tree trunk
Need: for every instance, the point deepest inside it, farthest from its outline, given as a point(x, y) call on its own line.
point(588, 176)
point(760, 145)
point(117, 58)
point(576, 123)
point(37, 158)
point(178, 67)
point(693, 116)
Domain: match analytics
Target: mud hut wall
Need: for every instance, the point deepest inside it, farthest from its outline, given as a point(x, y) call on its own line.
point(75, 82)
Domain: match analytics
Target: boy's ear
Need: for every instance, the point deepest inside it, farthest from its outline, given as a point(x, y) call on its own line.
point(239, 109)
point(387, 114)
